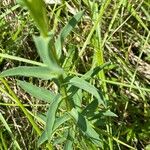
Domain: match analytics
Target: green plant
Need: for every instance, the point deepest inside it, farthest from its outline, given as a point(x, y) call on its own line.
point(68, 109)
point(69, 91)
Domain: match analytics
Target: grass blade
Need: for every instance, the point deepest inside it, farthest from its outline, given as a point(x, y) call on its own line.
point(9, 131)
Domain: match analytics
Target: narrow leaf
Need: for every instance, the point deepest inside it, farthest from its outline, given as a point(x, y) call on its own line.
point(66, 31)
point(68, 145)
point(90, 108)
point(70, 138)
point(85, 126)
point(94, 71)
point(60, 121)
point(38, 92)
point(77, 99)
point(46, 51)
point(39, 72)
point(38, 13)
point(82, 84)
point(10, 132)
point(42, 138)
point(51, 116)
point(109, 113)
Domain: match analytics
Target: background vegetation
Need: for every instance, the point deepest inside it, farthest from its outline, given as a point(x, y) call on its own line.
point(106, 56)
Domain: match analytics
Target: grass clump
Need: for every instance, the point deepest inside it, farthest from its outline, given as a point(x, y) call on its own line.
point(82, 81)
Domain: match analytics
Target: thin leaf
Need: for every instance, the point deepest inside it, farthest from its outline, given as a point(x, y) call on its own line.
point(94, 71)
point(22, 59)
point(38, 92)
point(109, 113)
point(42, 138)
point(86, 127)
point(38, 12)
point(68, 145)
point(51, 116)
point(9, 131)
point(39, 72)
point(59, 140)
point(90, 109)
point(77, 99)
point(131, 9)
point(46, 51)
point(66, 31)
point(82, 84)
point(70, 138)
point(60, 121)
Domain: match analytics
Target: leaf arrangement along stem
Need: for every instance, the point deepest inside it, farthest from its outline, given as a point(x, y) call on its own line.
point(75, 109)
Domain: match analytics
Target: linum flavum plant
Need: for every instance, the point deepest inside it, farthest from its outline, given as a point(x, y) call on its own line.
point(78, 116)
point(66, 122)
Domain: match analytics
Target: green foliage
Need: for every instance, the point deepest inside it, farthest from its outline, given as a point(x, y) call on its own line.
point(39, 72)
point(65, 32)
point(15, 143)
point(69, 87)
point(82, 84)
point(38, 12)
point(49, 55)
point(37, 92)
point(86, 128)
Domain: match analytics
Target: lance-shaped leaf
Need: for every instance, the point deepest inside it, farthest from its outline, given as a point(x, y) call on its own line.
point(70, 138)
point(51, 116)
point(45, 48)
point(38, 12)
point(38, 72)
point(86, 128)
point(5, 124)
point(42, 138)
point(66, 31)
point(94, 71)
point(82, 84)
point(38, 92)
point(58, 122)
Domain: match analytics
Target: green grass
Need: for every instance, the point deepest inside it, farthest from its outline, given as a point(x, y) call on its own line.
point(75, 75)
